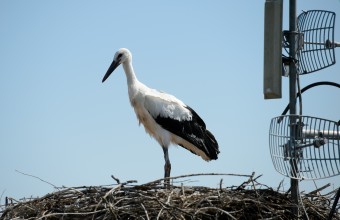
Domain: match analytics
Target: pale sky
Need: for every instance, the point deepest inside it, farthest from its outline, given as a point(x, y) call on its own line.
point(61, 124)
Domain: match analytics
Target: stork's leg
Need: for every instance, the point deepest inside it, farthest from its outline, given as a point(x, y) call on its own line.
point(167, 167)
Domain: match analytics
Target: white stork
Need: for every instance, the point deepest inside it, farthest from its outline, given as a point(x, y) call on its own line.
point(165, 117)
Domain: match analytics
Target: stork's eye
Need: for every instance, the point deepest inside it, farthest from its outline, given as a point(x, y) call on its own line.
point(119, 55)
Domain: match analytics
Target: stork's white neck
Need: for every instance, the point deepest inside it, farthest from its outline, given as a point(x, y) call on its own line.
point(130, 74)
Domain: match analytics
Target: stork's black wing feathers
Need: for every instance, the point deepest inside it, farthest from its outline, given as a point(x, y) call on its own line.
point(193, 131)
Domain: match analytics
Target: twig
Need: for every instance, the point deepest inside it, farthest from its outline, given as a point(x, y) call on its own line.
point(106, 195)
point(245, 183)
point(70, 213)
point(116, 179)
point(319, 189)
point(146, 212)
point(160, 212)
point(112, 190)
point(197, 174)
point(281, 184)
point(182, 188)
point(221, 210)
point(1, 197)
point(37, 178)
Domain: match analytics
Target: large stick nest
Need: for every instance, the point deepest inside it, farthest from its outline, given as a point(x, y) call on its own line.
point(250, 200)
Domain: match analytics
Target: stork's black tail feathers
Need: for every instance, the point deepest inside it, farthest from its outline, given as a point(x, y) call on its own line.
point(211, 145)
point(198, 127)
point(194, 131)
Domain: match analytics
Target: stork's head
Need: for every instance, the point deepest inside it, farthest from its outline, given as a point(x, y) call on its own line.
point(121, 56)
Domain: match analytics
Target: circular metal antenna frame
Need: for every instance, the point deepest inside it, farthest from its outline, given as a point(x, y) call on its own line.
point(312, 152)
point(315, 39)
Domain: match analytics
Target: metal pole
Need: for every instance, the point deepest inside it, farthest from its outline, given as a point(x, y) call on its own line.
point(334, 205)
point(294, 183)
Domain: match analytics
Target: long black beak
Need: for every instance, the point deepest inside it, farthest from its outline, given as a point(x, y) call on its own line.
point(112, 67)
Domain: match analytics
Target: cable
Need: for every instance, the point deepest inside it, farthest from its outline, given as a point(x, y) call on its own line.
point(299, 92)
point(322, 83)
